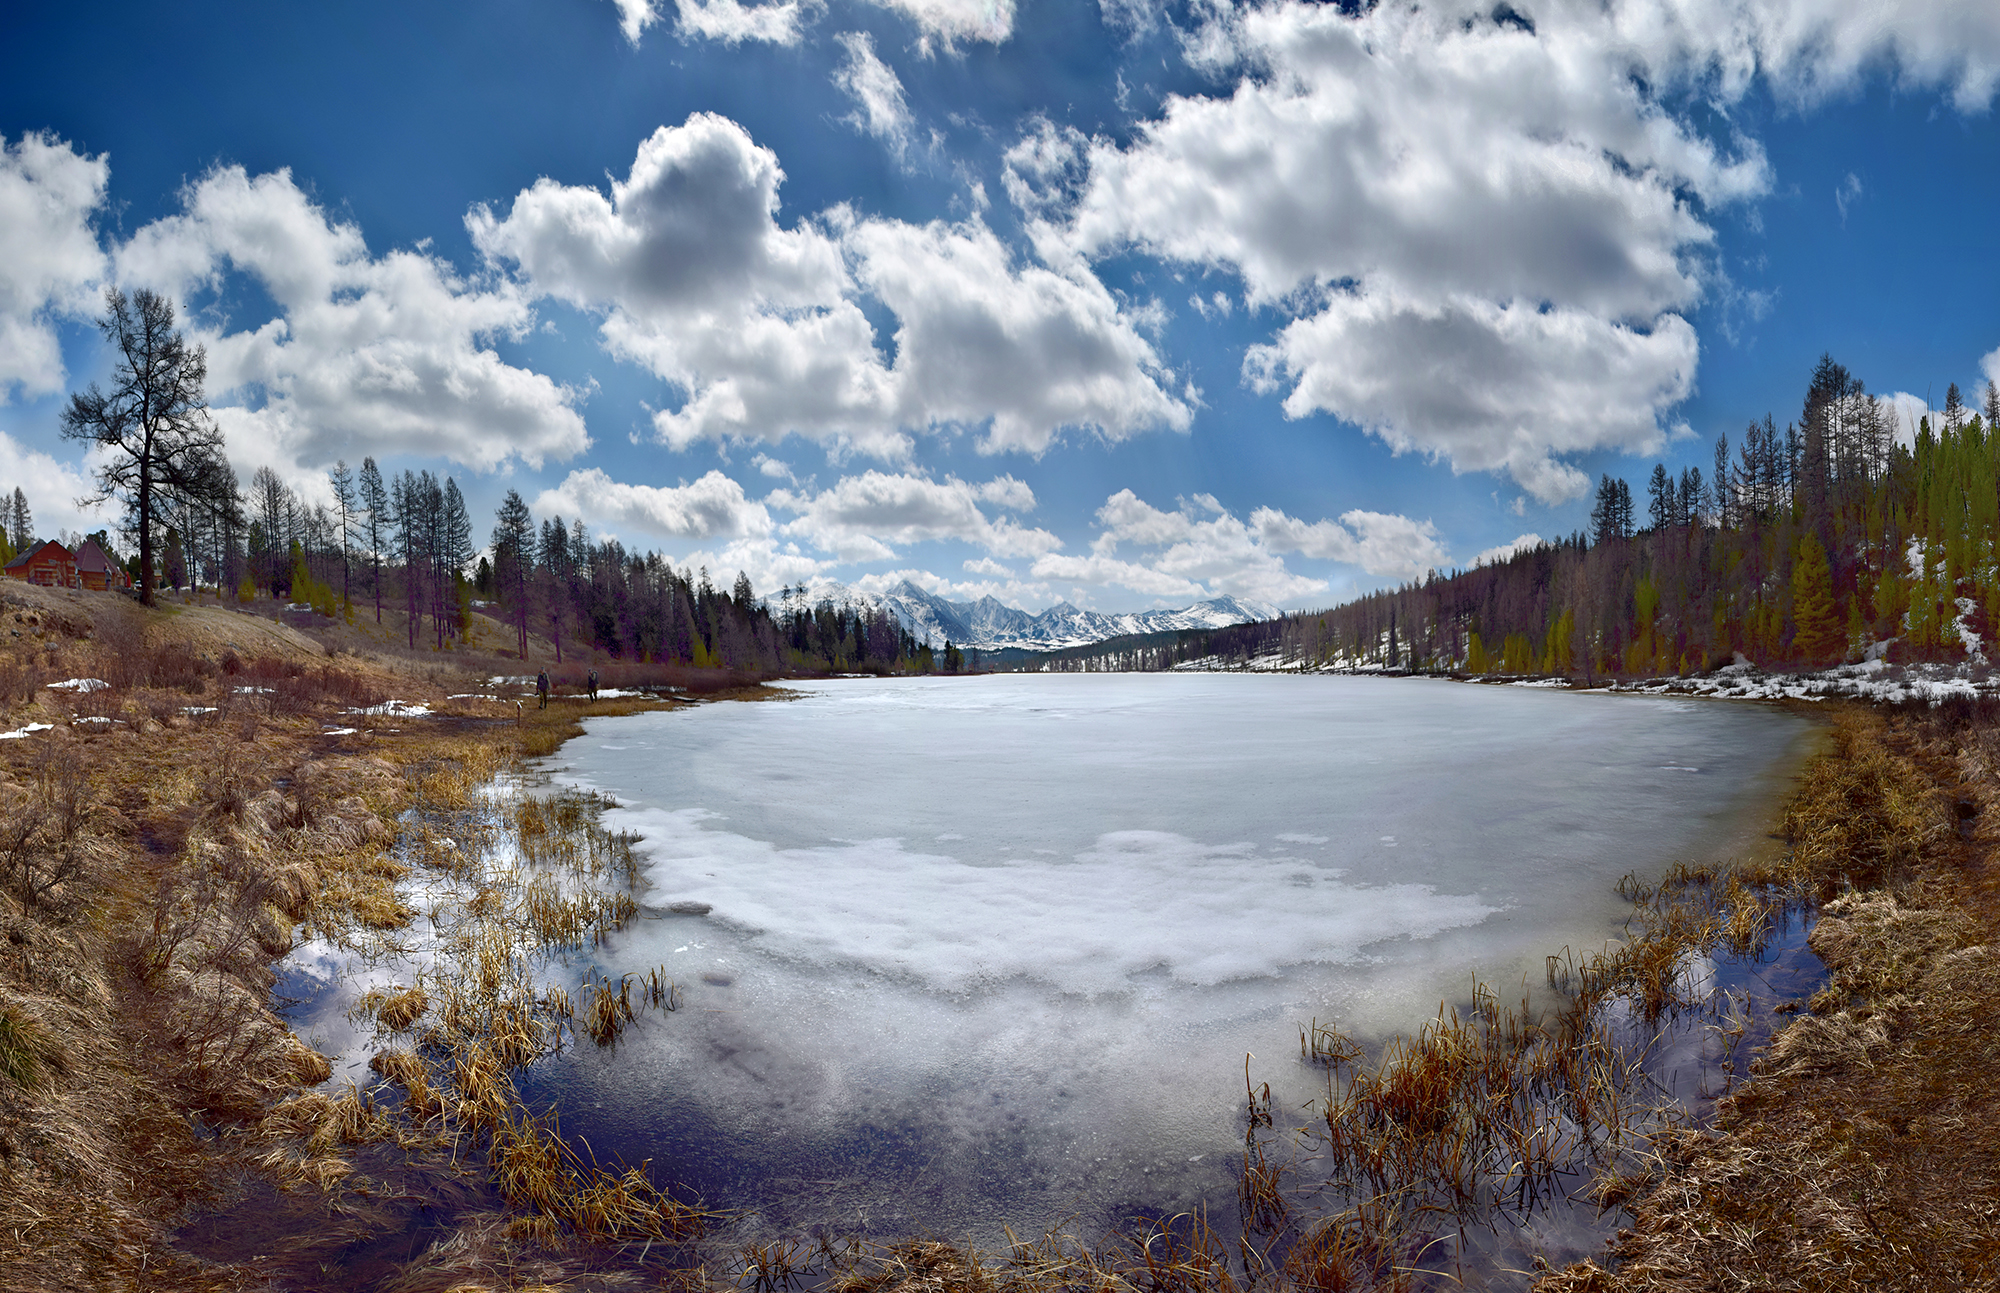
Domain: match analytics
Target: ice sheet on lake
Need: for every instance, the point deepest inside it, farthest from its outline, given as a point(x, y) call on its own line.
point(1004, 942)
point(1136, 901)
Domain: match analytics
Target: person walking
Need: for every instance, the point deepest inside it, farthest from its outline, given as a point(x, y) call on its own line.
point(593, 684)
point(542, 688)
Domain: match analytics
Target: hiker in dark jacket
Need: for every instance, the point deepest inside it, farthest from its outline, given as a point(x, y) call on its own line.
point(593, 684)
point(542, 688)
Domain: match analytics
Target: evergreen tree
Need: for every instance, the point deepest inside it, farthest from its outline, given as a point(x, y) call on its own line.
point(375, 504)
point(1693, 496)
point(175, 564)
point(20, 522)
point(513, 562)
point(1662, 498)
point(1725, 503)
point(1819, 636)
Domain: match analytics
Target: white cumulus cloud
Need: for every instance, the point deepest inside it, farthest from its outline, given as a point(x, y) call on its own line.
point(48, 195)
point(712, 507)
point(760, 328)
point(728, 21)
point(1506, 551)
point(367, 354)
point(1812, 50)
point(861, 517)
point(1487, 236)
point(52, 488)
point(1201, 549)
point(1381, 543)
point(1025, 349)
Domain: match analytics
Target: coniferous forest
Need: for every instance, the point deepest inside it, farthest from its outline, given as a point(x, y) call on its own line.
point(1805, 546)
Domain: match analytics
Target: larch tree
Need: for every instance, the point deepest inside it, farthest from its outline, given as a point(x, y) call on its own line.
point(342, 480)
point(153, 423)
point(1819, 635)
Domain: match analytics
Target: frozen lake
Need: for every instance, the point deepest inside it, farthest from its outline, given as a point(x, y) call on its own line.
point(994, 949)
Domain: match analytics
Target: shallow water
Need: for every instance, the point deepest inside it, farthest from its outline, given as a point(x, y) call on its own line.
point(995, 949)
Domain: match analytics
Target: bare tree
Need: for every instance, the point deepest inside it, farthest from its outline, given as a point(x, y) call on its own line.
point(342, 478)
point(276, 510)
point(154, 421)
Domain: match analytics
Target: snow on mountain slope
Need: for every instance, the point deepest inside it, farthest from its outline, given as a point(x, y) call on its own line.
point(989, 625)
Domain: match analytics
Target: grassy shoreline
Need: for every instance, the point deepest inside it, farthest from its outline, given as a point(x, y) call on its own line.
point(176, 832)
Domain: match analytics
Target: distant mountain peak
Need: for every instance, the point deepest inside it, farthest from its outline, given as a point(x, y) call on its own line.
point(991, 625)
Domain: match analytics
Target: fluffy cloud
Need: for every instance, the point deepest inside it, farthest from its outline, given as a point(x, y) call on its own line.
point(1032, 350)
point(760, 326)
point(367, 354)
point(700, 285)
point(712, 507)
point(728, 21)
point(48, 194)
point(1506, 551)
point(1485, 386)
point(1200, 549)
point(861, 516)
point(880, 107)
point(1487, 234)
point(52, 487)
point(1381, 543)
point(940, 23)
point(1810, 50)
point(1487, 228)
point(1110, 572)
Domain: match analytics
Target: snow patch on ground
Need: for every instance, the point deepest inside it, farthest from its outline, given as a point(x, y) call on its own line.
point(21, 732)
point(81, 686)
point(393, 709)
point(1873, 679)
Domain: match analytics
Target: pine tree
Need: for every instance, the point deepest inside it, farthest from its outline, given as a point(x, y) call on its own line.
point(374, 502)
point(1661, 497)
point(1817, 621)
point(1725, 511)
point(20, 522)
point(513, 560)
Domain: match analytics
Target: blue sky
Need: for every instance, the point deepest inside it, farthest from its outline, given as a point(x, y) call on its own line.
point(1115, 302)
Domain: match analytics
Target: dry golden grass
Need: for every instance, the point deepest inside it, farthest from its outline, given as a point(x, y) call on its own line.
point(1859, 1155)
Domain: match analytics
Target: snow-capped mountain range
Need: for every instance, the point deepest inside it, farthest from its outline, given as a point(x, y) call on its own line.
point(989, 625)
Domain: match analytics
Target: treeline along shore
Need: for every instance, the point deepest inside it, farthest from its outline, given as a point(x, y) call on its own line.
point(1846, 533)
